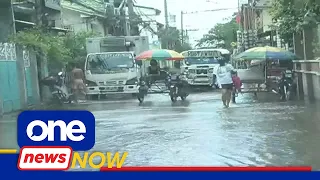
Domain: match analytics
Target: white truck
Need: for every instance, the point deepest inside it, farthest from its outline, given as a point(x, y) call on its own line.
point(200, 66)
point(110, 67)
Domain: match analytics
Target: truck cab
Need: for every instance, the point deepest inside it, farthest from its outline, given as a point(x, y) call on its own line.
point(200, 66)
point(110, 66)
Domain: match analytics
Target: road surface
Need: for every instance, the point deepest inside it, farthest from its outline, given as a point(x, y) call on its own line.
point(201, 132)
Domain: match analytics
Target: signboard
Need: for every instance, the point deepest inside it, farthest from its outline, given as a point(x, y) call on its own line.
point(129, 55)
point(53, 4)
point(202, 53)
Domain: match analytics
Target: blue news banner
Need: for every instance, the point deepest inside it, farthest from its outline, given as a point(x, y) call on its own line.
point(40, 128)
point(35, 136)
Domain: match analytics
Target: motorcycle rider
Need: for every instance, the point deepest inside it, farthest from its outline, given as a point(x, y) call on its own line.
point(286, 80)
point(153, 72)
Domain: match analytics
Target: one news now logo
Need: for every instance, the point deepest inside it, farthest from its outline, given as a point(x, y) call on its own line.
point(52, 135)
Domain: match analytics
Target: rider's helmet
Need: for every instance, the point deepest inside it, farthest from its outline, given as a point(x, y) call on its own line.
point(153, 62)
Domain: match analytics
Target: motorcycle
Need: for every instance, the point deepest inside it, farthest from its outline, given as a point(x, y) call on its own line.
point(286, 86)
point(143, 90)
point(58, 88)
point(177, 88)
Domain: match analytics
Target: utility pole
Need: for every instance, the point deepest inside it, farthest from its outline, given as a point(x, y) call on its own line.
point(39, 12)
point(166, 13)
point(239, 11)
point(41, 57)
point(182, 38)
point(131, 17)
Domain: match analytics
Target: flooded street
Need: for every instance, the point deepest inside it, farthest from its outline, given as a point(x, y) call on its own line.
point(201, 132)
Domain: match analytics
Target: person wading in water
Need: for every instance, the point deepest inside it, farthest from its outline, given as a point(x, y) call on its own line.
point(224, 75)
point(77, 79)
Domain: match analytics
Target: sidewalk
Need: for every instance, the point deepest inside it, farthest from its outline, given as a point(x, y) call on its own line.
point(8, 127)
point(42, 106)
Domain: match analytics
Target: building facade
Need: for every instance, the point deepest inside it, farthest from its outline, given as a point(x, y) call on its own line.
point(84, 16)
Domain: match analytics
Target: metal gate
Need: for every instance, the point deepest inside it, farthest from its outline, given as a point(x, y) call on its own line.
point(9, 86)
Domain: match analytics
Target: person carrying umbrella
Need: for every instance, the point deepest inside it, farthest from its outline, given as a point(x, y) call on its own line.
point(224, 77)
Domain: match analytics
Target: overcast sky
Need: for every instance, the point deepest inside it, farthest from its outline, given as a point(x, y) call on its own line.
point(202, 20)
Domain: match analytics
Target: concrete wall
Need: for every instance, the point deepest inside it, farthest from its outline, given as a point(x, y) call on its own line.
point(308, 72)
point(307, 46)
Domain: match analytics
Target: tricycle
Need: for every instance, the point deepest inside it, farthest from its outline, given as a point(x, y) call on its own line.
point(160, 81)
point(265, 69)
point(173, 84)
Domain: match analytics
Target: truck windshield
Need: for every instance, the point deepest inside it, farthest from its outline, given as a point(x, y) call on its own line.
point(192, 61)
point(100, 63)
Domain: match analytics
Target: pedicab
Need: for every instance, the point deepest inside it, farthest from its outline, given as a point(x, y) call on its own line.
point(160, 80)
point(261, 69)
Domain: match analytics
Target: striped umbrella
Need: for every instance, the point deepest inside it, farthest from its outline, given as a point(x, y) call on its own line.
point(160, 54)
point(266, 53)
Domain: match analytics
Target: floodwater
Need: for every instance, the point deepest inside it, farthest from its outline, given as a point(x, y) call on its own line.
point(200, 132)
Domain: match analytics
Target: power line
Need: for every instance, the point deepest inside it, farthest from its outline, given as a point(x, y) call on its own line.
point(210, 10)
point(195, 12)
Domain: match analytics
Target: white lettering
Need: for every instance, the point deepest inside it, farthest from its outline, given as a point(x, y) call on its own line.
point(70, 130)
point(66, 130)
point(118, 55)
point(203, 54)
point(33, 124)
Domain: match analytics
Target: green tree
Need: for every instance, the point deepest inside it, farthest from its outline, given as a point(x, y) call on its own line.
point(171, 39)
point(222, 32)
point(76, 43)
point(58, 49)
point(292, 15)
point(43, 43)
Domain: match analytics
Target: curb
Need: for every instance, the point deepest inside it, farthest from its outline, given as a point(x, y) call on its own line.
point(41, 106)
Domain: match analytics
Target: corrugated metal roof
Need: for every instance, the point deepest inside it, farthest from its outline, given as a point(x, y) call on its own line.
point(96, 7)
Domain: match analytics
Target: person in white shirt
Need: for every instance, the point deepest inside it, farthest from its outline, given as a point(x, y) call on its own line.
point(224, 77)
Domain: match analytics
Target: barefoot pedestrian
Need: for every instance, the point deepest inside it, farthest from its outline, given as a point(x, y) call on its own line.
point(225, 80)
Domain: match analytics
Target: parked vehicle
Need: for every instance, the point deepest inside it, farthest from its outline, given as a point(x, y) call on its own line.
point(110, 67)
point(58, 88)
point(261, 70)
